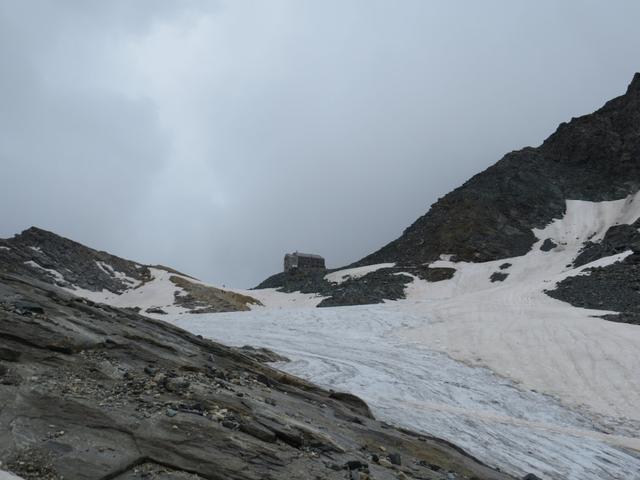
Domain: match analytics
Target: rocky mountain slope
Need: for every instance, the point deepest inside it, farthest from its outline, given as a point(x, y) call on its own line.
point(103, 277)
point(89, 391)
point(493, 216)
point(595, 157)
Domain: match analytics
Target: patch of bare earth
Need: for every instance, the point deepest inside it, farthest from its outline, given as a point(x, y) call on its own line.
point(205, 299)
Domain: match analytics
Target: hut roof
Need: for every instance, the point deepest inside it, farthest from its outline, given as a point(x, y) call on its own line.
point(307, 255)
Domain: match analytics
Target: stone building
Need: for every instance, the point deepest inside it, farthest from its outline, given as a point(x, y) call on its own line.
point(303, 261)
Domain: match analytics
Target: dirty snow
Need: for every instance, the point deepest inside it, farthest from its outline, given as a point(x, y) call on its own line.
point(353, 273)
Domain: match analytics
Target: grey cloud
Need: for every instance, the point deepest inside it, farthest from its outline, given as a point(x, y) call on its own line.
point(213, 137)
point(74, 159)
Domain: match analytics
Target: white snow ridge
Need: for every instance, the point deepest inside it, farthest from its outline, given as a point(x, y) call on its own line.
point(524, 382)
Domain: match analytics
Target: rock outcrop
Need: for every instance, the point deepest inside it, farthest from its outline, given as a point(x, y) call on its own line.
point(614, 287)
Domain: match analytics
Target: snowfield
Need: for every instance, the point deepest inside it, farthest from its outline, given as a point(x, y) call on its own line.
point(522, 381)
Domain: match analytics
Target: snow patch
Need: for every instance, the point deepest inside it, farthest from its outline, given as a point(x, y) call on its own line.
point(343, 275)
point(161, 292)
point(521, 380)
point(518, 331)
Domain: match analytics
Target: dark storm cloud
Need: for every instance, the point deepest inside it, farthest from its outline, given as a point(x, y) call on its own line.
point(214, 137)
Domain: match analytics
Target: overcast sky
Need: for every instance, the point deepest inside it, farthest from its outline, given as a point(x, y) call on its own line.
point(213, 137)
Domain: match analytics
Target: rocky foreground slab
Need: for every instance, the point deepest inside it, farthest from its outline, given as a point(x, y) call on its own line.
point(89, 391)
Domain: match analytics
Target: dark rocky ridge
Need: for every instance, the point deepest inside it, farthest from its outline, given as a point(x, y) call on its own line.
point(618, 239)
point(371, 288)
point(72, 259)
point(594, 157)
point(91, 392)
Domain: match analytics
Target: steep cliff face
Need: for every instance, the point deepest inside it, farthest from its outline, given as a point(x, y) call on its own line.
point(595, 157)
